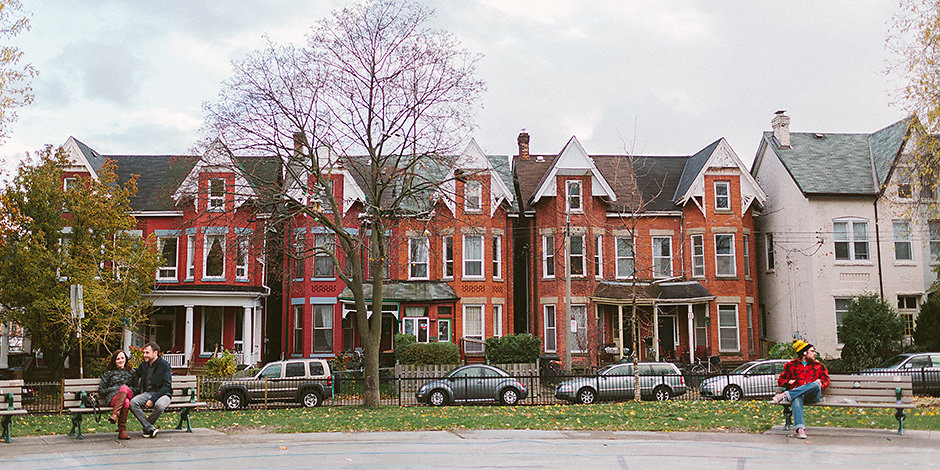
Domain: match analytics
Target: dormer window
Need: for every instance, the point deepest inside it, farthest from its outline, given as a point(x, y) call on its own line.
point(722, 195)
point(472, 196)
point(573, 195)
point(216, 195)
point(69, 183)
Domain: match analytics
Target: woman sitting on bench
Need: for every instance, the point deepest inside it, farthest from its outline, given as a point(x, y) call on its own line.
point(116, 391)
point(805, 378)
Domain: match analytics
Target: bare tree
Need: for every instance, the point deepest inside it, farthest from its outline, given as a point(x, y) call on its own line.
point(374, 94)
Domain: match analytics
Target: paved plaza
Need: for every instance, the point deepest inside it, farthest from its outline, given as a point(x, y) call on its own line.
point(828, 449)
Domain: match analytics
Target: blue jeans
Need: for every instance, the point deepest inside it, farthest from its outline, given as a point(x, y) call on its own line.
point(808, 393)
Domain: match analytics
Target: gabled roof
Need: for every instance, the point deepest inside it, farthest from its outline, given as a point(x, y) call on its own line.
point(217, 158)
point(692, 169)
point(472, 160)
point(573, 159)
point(839, 163)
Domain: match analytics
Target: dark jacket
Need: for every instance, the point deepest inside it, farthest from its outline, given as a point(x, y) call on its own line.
point(161, 378)
point(111, 381)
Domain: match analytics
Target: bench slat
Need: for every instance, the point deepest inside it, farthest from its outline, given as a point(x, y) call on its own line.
point(887, 392)
point(860, 399)
point(871, 378)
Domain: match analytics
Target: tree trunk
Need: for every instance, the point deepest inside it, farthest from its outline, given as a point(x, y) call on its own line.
point(370, 392)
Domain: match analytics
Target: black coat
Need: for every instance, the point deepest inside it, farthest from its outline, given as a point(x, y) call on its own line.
point(111, 381)
point(162, 378)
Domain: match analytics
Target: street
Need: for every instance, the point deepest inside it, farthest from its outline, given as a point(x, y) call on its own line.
point(827, 448)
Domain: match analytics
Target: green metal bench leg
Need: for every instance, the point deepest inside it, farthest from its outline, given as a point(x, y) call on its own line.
point(76, 426)
point(7, 421)
point(788, 414)
point(899, 414)
point(184, 416)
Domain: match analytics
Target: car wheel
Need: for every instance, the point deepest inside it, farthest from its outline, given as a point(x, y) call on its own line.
point(310, 399)
point(509, 396)
point(233, 400)
point(586, 396)
point(733, 393)
point(662, 393)
point(437, 398)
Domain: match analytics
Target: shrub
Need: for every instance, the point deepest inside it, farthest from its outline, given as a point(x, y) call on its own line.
point(781, 351)
point(402, 342)
point(871, 332)
point(510, 349)
point(927, 331)
point(221, 366)
point(428, 353)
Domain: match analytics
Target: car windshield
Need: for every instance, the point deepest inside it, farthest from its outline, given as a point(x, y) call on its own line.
point(893, 362)
point(741, 368)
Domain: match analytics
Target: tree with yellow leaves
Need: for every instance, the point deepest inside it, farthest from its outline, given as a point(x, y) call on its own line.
point(15, 75)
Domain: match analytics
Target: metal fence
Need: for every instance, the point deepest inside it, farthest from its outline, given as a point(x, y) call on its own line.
point(346, 388)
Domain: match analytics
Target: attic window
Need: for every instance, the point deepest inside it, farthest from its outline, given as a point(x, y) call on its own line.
point(216, 194)
point(573, 194)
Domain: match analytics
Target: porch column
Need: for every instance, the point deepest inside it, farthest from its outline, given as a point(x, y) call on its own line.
point(188, 337)
point(5, 345)
point(247, 334)
point(257, 341)
point(691, 333)
point(620, 330)
point(656, 330)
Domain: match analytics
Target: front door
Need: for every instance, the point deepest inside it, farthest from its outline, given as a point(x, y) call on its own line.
point(667, 336)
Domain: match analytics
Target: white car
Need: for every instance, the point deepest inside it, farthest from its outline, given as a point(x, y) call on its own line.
point(749, 380)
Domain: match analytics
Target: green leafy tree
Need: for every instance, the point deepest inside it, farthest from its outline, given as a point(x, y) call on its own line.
point(871, 332)
point(15, 75)
point(51, 237)
point(927, 331)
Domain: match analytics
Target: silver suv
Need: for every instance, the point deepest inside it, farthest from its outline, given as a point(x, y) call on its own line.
point(658, 381)
point(307, 381)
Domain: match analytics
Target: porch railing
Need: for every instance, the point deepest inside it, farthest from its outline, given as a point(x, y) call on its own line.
point(175, 359)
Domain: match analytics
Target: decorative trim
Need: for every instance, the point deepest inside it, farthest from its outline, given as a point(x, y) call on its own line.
point(215, 230)
point(298, 301)
point(168, 233)
point(324, 300)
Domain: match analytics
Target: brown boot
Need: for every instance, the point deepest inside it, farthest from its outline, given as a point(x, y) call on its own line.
point(118, 406)
point(122, 424)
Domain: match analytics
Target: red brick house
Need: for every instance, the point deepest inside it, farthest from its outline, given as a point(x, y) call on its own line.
point(676, 232)
point(211, 288)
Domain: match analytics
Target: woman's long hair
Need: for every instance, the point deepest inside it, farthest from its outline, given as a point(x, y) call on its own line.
point(112, 363)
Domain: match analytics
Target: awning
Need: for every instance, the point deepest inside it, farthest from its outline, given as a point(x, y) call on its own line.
point(405, 292)
point(647, 293)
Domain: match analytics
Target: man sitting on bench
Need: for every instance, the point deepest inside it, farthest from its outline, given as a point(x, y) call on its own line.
point(805, 378)
point(156, 385)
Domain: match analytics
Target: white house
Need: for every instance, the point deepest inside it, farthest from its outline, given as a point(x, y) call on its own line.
point(841, 219)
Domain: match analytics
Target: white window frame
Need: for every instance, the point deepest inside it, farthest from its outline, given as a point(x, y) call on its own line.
point(415, 263)
point(241, 262)
point(769, 259)
point(498, 320)
point(449, 330)
point(548, 256)
point(447, 257)
point(549, 328)
point(205, 255)
point(599, 256)
point(657, 258)
point(325, 241)
point(298, 343)
point(474, 334)
point(497, 257)
point(908, 313)
point(838, 312)
point(473, 196)
point(68, 182)
point(737, 332)
point(933, 235)
point(850, 240)
point(725, 256)
point(168, 272)
point(467, 259)
point(202, 329)
point(215, 203)
point(576, 260)
point(746, 239)
point(581, 319)
point(698, 255)
point(190, 257)
point(618, 257)
point(416, 323)
point(330, 317)
point(901, 230)
point(723, 201)
point(574, 202)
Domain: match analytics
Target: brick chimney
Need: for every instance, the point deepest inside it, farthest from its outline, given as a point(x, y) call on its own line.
point(781, 126)
point(523, 141)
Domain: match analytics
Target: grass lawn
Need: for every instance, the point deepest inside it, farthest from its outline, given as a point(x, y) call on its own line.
point(747, 416)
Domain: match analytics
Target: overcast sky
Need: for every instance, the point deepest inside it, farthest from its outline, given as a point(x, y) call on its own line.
point(655, 78)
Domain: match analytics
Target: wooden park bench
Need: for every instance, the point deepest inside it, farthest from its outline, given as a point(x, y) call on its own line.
point(864, 391)
point(11, 392)
point(78, 399)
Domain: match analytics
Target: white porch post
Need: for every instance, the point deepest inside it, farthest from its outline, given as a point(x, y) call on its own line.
point(691, 333)
point(247, 334)
point(656, 330)
point(128, 336)
point(5, 346)
point(620, 331)
point(188, 345)
point(256, 341)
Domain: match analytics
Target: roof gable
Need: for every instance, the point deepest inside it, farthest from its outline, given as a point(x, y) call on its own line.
point(83, 156)
point(472, 160)
point(573, 160)
point(217, 158)
point(718, 155)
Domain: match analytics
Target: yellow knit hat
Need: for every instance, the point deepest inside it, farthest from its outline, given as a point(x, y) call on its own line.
point(800, 345)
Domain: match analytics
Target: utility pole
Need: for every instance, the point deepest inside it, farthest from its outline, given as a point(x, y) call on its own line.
point(574, 327)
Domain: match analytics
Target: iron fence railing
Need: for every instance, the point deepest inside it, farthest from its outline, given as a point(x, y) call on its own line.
point(547, 388)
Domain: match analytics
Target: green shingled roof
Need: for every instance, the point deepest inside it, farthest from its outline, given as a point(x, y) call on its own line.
point(828, 163)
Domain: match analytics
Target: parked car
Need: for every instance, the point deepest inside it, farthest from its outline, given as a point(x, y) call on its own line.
point(749, 380)
point(307, 381)
point(658, 381)
point(473, 383)
point(923, 368)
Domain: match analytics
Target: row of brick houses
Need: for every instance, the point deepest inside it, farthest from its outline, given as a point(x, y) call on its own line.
point(675, 237)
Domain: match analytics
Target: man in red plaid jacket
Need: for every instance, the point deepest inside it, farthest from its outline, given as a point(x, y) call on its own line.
point(805, 378)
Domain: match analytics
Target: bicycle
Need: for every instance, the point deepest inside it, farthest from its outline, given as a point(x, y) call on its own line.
point(709, 366)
